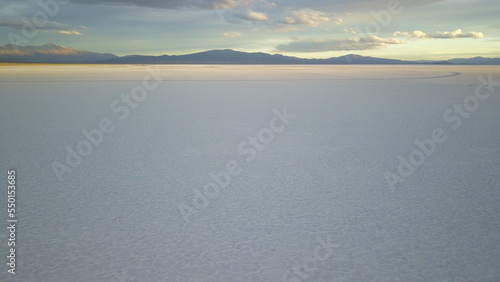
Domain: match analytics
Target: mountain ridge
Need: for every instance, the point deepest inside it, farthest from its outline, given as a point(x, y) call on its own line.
point(49, 53)
point(52, 53)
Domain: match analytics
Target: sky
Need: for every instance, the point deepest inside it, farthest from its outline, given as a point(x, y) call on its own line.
point(396, 29)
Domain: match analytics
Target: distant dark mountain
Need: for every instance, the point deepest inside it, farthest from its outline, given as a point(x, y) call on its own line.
point(211, 57)
point(476, 61)
point(49, 53)
point(357, 59)
point(235, 57)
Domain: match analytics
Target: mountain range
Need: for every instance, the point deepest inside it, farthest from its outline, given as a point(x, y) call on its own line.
point(50, 53)
point(56, 54)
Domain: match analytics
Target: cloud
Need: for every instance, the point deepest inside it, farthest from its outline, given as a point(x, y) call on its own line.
point(230, 4)
point(350, 30)
point(344, 6)
point(280, 28)
point(308, 17)
point(69, 32)
point(177, 4)
point(225, 4)
point(19, 23)
point(322, 45)
point(232, 34)
point(251, 15)
point(167, 4)
point(417, 34)
point(323, 5)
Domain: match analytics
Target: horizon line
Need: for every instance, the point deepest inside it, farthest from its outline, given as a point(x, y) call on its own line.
point(256, 52)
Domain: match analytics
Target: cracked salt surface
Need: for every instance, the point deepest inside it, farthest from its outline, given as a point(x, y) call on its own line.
point(116, 216)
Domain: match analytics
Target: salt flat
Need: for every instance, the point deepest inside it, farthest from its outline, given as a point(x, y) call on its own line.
point(308, 197)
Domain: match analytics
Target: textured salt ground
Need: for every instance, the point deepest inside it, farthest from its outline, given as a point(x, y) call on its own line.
point(116, 217)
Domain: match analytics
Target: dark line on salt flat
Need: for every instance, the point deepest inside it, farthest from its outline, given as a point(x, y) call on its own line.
point(236, 80)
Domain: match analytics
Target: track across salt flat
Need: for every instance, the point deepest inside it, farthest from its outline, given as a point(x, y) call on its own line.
point(318, 76)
